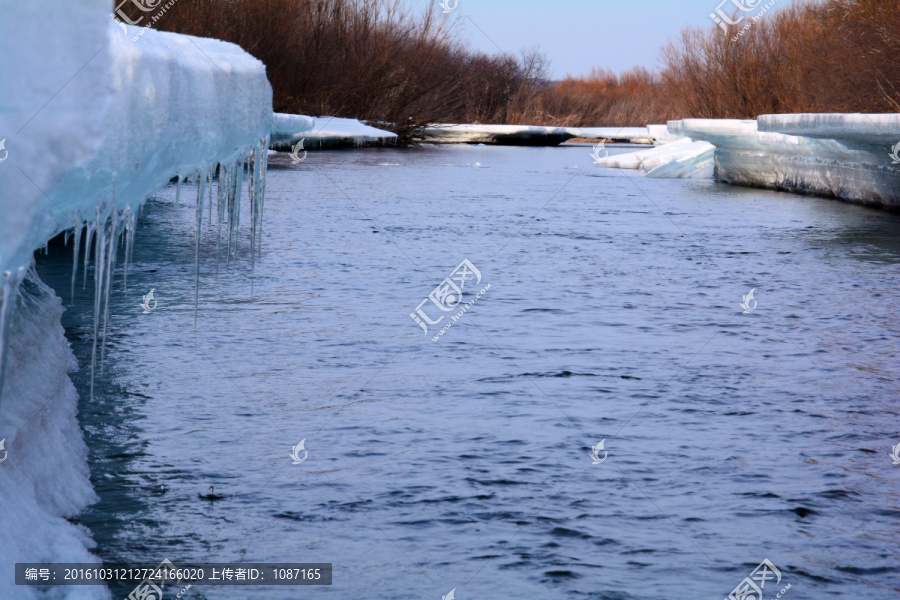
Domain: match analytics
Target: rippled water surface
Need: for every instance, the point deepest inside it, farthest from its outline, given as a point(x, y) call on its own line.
point(613, 314)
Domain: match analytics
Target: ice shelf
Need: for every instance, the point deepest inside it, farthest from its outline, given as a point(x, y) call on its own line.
point(287, 130)
point(325, 133)
point(510, 135)
point(845, 156)
point(94, 120)
point(627, 135)
point(537, 135)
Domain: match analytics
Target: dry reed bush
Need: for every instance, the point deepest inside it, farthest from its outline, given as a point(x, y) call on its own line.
point(635, 98)
point(832, 56)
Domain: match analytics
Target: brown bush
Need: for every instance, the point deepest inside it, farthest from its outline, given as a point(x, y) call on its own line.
point(832, 56)
point(635, 98)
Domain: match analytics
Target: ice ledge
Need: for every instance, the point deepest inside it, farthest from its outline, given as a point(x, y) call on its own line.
point(325, 133)
point(876, 129)
point(151, 109)
point(845, 156)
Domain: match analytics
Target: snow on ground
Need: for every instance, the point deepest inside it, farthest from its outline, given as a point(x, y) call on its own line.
point(325, 133)
point(44, 479)
point(93, 124)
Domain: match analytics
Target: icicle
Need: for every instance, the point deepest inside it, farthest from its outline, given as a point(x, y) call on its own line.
point(130, 223)
point(77, 246)
point(251, 189)
point(11, 281)
point(178, 190)
point(201, 191)
point(219, 189)
point(209, 184)
point(99, 272)
point(232, 182)
point(110, 268)
point(262, 193)
point(235, 213)
point(91, 230)
point(219, 207)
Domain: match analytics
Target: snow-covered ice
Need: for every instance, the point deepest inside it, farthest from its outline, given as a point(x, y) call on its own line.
point(44, 479)
point(287, 130)
point(844, 156)
point(325, 133)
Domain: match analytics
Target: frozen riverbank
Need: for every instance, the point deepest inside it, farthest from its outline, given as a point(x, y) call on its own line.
point(851, 157)
point(844, 156)
point(86, 151)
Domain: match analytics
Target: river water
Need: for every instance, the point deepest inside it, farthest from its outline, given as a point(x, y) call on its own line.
point(613, 314)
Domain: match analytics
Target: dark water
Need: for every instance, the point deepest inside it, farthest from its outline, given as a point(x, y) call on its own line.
point(613, 314)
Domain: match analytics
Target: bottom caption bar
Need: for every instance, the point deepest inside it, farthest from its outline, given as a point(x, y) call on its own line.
point(150, 578)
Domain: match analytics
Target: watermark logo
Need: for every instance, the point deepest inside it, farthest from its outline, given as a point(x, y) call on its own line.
point(446, 5)
point(296, 450)
point(6, 152)
point(295, 151)
point(447, 296)
point(751, 587)
point(749, 303)
point(121, 18)
point(895, 455)
point(5, 453)
point(723, 20)
point(451, 595)
point(895, 153)
point(148, 299)
point(151, 587)
point(595, 452)
point(598, 147)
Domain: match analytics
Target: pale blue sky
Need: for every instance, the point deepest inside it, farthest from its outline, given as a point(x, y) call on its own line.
point(580, 34)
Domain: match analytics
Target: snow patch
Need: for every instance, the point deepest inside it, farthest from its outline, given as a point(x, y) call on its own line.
point(44, 479)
